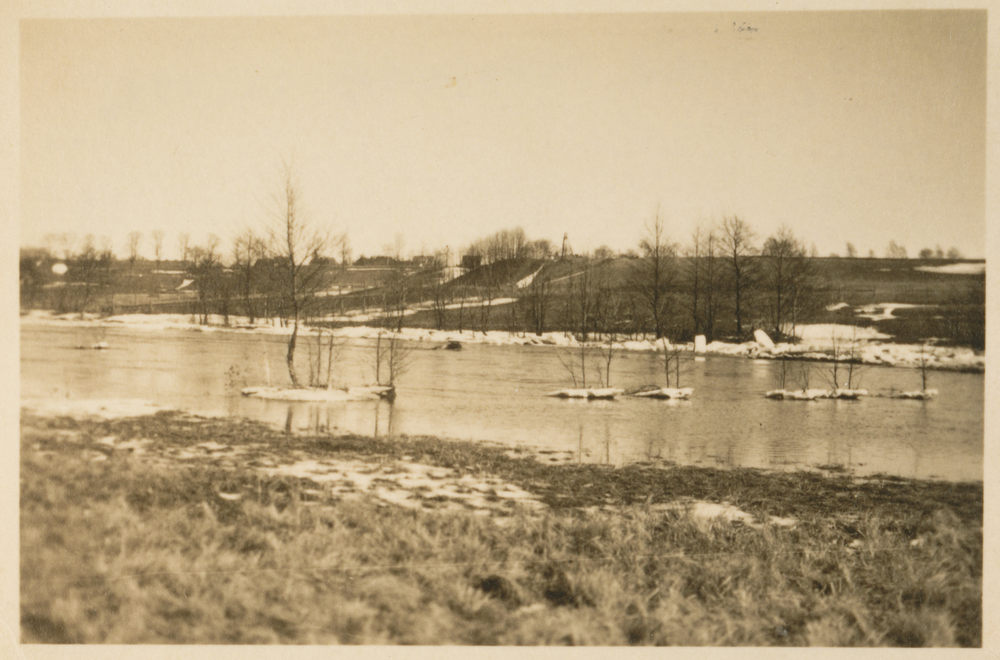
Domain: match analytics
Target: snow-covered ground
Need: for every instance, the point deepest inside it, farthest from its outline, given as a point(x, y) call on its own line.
point(827, 333)
point(955, 269)
point(528, 280)
point(816, 341)
point(882, 311)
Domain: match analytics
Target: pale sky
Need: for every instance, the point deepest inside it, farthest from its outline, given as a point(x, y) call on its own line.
point(845, 126)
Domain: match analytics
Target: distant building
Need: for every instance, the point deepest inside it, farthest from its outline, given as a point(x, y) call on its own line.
point(471, 261)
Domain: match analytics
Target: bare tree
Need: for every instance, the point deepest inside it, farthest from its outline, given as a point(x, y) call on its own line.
point(183, 246)
point(397, 247)
point(702, 279)
point(783, 373)
point(300, 245)
point(695, 266)
point(804, 368)
point(582, 300)
point(158, 236)
point(35, 271)
point(248, 250)
point(345, 252)
point(923, 363)
point(536, 299)
point(487, 290)
point(539, 249)
point(324, 349)
point(85, 269)
point(655, 274)
point(575, 363)
point(134, 240)
point(398, 358)
point(895, 251)
point(395, 296)
point(462, 293)
point(440, 297)
point(670, 358)
point(206, 268)
point(786, 276)
point(713, 273)
point(61, 245)
point(133, 243)
point(609, 306)
point(737, 243)
point(502, 245)
point(603, 253)
point(392, 358)
point(846, 358)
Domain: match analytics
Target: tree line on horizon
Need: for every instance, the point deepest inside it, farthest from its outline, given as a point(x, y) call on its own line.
point(721, 270)
point(723, 280)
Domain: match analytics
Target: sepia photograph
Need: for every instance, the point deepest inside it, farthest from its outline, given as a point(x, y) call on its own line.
point(487, 326)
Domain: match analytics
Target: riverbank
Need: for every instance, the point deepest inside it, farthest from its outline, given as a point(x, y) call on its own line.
point(167, 528)
point(820, 342)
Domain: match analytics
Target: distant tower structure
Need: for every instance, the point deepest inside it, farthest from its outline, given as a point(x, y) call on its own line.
point(566, 249)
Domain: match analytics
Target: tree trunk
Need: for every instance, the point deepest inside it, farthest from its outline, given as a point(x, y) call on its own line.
point(291, 353)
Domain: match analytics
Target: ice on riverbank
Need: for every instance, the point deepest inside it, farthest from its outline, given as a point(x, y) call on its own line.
point(918, 395)
point(815, 341)
point(99, 346)
point(317, 394)
point(796, 395)
point(587, 393)
point(815, 394)
point(674, 393)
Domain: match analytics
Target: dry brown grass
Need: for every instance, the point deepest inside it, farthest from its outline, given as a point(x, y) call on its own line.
point(118, 548)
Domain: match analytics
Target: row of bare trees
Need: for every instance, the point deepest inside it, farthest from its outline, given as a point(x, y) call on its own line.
point(509, 244)
point(666, 290)
point(765, 286)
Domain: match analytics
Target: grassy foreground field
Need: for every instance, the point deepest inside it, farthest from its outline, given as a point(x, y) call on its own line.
point(172, 528)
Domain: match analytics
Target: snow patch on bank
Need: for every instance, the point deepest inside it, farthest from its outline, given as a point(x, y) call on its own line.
point(815, 341)
point(883, 311)
point(826, 333)
point(317, 394)
point(528, 280)
point(705, 513)
point(955, 269)
point(403, 483)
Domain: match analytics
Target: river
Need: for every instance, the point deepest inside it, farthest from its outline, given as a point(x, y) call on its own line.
point(496, 394)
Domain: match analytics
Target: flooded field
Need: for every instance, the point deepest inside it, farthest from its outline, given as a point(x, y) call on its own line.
point(496, 394)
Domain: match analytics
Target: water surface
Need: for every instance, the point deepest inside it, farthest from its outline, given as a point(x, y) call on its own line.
point(495, 394)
